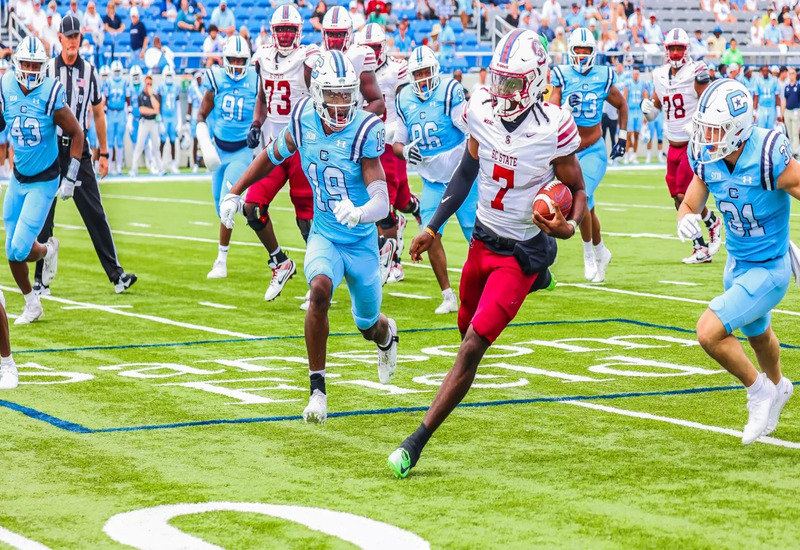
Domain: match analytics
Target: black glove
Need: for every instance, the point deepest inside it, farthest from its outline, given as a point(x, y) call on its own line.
point(254, 135)
point(619, 148)
point(574, 100)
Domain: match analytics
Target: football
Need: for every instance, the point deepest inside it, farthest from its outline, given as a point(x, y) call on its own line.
point(553, 192)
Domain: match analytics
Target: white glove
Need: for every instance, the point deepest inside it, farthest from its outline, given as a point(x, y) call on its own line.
point(689, 227)
point(69, 182)
point(347, 214)
point(228, 208)
point(129, 126)
point(411, 152)
point(210, 155)
point(649, 109)
point(391, 130)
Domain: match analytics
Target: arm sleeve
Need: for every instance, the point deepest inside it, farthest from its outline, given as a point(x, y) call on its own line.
point(377, 208)
point(457, 190)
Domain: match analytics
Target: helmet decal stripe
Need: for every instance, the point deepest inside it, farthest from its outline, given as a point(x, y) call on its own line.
point(707, 94)
point(506, 53)
point(335, 16)
point(286, 11)
point(369, 32)
point(339, 62)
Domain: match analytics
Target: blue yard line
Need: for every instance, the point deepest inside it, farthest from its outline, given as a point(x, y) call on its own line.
point(44, 417)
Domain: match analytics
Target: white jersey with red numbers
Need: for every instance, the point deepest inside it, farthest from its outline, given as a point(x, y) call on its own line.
point(678, 97)
point(390, 75)
point(283, 79)
point(362, 58)
point(514, 166)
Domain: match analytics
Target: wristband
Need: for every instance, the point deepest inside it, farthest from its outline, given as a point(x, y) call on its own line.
point(574, 225)
point(104, 155)
point(623, 134)
point(72, 171)
point(430, 232)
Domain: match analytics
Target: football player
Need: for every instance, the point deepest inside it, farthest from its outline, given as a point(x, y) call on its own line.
point(752, 175)
point(677, 85)
point(766, 98)
point(431, 135)
point(230, 93)
point(351, 196)
point(169, 96)
point(32, 105)
point(281, 68)
point(517, 145)
point(633, 98)
point(135, 89)
point(193, 100)
point(392, 75)
point(9, 378)
point(5, 151)
point(116, 94)
point(585, 88)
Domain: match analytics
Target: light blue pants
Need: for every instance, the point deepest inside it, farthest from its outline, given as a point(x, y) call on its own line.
point(25, 210)
point(432, 193)
point(232, 166)
point(594, 162)
point(115, 128)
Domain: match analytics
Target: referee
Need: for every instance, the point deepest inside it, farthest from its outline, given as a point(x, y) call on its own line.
point(790, 110)
point(80, 83)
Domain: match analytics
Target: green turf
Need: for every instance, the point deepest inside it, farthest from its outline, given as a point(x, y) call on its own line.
point(517, 475)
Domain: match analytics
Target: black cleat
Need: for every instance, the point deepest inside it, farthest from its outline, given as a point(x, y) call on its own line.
point(124, 282)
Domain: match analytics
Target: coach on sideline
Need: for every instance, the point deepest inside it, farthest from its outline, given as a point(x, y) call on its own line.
point(80, 82)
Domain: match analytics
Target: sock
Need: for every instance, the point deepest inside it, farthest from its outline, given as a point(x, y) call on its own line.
point(448, 294)
point(30, 298)
point(416, 442)
point(587, 249)
point(7, 360)
point(757, 386)
point(388, 343)
point(699, 242)
point(317, 378)
point(278, 256)
point(222, 255)
point(710, 219)
point(599, 248)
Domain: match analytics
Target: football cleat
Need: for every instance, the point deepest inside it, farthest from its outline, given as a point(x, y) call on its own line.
point(50, 263)
point(387, 357)
point(700, 255)
point(759, 406)
point(30, 313)
point(449, 305)
point(401, 228)
point(9, 378)
point(280, 276)
point(125, 281)
point(785, 390)
point(195, 169)
point(174, 168)
point(662, 157)
point(715, 236)
point(218, 271)
point(399, 463)
point(39, 289)
point(396, 274)
point(316, 412)
point(602, 266)
point(589, 267)
point(386, 257)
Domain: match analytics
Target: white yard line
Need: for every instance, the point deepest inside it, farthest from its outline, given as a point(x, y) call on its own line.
point(679, 422)
point(643, 236)
point(177, 201)
point(19, 542)
point(679, 283)
point(204, 224)
point(123, 306)
point(193, 178)
point(154, 318)
point(215, 305)
point(137, 224)
point(412, 296)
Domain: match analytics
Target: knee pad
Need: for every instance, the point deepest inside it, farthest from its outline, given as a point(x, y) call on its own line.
point(305, 228)
point(389, 221)
point(258, 217)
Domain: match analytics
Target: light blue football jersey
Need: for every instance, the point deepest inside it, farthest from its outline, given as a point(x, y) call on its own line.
point(430, 119)
point(332, 164)
point(756, 212)
point(766, 88)
point(31, 129)
point(134, 91)
point(170, 94)
point(116, 92)
point(234, 103)
point(195, 97)
point(635, 95)
point(749, 83)
point(590, 91)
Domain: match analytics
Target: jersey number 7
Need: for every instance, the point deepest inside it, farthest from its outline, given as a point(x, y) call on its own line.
point(502, 174)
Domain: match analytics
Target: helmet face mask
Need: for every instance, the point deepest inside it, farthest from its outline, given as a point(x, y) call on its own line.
point(336, 40)
point(286, 27)
point(676, 44)
point(116, 70)
point(169, 75)
point(337, 29)
point(236, 57)
point(29, 63)
point(424, 69)
point(334, 90)
point(723, 122)
point(582, 50)
point(518, 74)
point(374, 37)
point(136, 75)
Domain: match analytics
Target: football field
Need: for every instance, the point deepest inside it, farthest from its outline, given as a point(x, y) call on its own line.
point(169, 416)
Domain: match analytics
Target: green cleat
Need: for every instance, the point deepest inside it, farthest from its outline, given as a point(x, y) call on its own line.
point(399, 463)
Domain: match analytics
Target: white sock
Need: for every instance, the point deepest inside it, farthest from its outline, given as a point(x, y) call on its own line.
point(7, 360)
point(599, 248)
point(321, 372)
point(587, 249)
point(758, 386)
point(222, 255)
point(30, 298)
point(448, 294)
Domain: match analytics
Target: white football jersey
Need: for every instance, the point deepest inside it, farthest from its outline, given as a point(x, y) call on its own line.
point(362, 58)
point(390, 75)
point(514, 166)
point(678, 97)
point(283, 80)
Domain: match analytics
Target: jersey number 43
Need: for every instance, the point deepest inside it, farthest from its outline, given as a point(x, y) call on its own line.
point(26, 131)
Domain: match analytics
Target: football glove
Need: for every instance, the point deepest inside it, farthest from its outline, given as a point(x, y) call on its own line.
point(574, 100)
point(619, 148)
point(69, 182)
point(228, 208)
point(254, 135)
point(689, 227)
point(649, 109)
point(347, 214)
point(411, 152)
point(129, 127)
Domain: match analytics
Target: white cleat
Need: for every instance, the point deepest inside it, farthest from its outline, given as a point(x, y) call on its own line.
point(715, 237)
point(401, 229)
point(759, 406)
point(602, 266)
point(174, 168)
point(218, 271)
point(316, 412)
point(699, 256)
point(195, 168)
point(396, 274)
point(280, 276)
point(662, 157)
point(50, 264)
point(387, 358)
point(133, 174)
point(386, 257)
point(9, 378)
point(30, 313)
point(449, 305)
point(306, 301)
point(649, 158)
point(589, 267)
point(785, 389)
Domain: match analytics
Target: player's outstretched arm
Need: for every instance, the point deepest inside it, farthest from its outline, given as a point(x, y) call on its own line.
point(617, 100)
point(372, 93)
point(206, 106)
point(568, 171)
point(651, 107)
point(789, 180)
point(259, 114)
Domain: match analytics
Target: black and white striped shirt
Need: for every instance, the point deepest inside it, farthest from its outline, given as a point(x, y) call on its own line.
point(80, 82)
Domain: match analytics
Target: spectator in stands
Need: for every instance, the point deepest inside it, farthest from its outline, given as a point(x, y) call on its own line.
point(594, 29)
point(37, 20)
point(185, 20)
point(733, 71)
point(737, 5)
point(783, 12)
point(138, 37)
point(168, 10)
point(391, 19)
point(636, 24)
point(92, 24)
point(526, 22)
point(23, 9)
point(551, 10)
point(589, 11)
point(716, 44)
point(196, 7)
point(756, 32)
point(772, 34)
point(223, 18)
point(619, 23)
point(377, 16)
point(750, 5)
point(512, 17)
point(652, 31)
point(244, 32)
point(559, 43)
point(356, 16)
point(733, 54)
point(112, 23)
point(212, 47)
point(790, 110)
point(444, 8)
point(698, 48)
point(545, 30)
point(481, 81)
point(263, 38)
point(722, 12)
point(318, 14)
point(712, 71)
point(575, 18)
point(787, 32)
point(50, 36)
point(433, 39)
point(87, 49)
point(402, 41)
point(465, 11)
point(706, 5)
point(73, 10)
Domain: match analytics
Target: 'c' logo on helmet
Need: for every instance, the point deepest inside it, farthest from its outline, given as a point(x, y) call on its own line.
point(737, 102)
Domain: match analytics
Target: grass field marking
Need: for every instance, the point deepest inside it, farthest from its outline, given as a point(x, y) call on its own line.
point(122, 306)
point(19, 542)
point(178, 201)
point(243, 395)
point(410, 296)
point(149, 178)
point(661, 236)
point(215, 305)
point(679, 283)
point(680, 422)
point(204, 224)
point(153, 318)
